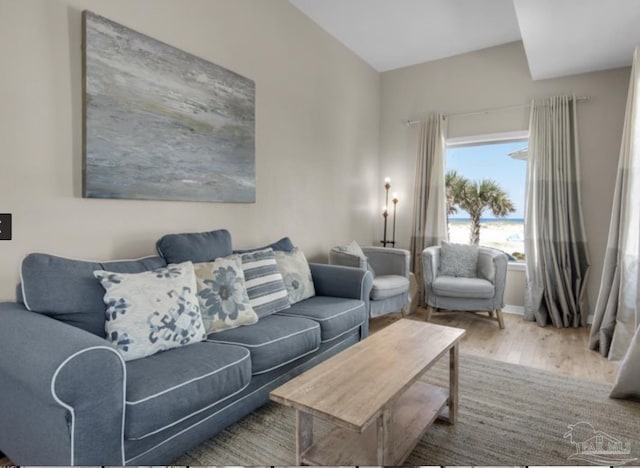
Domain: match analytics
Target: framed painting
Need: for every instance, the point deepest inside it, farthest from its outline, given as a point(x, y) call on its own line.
point(162, 124)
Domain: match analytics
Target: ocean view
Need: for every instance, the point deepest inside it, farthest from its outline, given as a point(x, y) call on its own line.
point(506, 234)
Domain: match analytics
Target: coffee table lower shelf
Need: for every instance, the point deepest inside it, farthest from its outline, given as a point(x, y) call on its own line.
point(411, 415)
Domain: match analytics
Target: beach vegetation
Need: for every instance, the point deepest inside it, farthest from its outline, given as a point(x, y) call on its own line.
point(475, 197)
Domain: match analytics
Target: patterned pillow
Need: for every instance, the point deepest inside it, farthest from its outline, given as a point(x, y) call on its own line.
point(458, 260)
point(151, 311)
point(297, 275)
point(224, 302)
point(265, 286)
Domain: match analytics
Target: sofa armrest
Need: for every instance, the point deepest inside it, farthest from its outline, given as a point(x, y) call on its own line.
point(388, 261)
point(62, 394)
point(341, 281)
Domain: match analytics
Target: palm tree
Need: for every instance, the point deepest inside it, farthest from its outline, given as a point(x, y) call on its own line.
point(474, 198)
point(454, 184)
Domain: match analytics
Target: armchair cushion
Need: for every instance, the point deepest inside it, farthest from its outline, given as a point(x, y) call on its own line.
point(389, 286)
point(449, 286)
point(458, 260)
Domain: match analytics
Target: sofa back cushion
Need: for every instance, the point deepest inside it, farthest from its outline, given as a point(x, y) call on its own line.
point(195, 247)
point(282, 245)
point(66, 289)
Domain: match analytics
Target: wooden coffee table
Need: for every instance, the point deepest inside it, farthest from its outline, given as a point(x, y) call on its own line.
point(371, 392)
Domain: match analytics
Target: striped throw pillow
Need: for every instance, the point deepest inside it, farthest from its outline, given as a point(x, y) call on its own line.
point(265, 286)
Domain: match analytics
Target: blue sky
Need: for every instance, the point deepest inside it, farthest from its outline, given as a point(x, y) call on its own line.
point(492, 162)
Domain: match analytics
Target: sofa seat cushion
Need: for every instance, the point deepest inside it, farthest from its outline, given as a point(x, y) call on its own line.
point(476, 288)
point(274, 341)
point(169, 387)
point(336, 315)
point(388, 286)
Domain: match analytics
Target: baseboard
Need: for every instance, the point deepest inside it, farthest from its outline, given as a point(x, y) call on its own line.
point(513, 309)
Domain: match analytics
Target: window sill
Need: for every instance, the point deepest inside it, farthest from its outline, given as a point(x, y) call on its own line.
point(516, 266)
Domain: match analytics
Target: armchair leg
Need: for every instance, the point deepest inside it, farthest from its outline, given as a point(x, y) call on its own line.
point(429, 312)
point(499, 316)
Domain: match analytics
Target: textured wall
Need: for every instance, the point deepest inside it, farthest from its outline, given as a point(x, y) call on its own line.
point(317, 126)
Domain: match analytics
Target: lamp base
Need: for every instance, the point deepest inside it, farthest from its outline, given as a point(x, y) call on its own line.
point(385, 242)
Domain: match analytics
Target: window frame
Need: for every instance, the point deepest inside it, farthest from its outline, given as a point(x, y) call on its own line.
point(489, 139)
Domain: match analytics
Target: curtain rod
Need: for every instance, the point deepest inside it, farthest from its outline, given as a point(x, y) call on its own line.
point(409, 123)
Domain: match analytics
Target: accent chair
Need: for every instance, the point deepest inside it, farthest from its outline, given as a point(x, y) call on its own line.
point(481, 290)
point(390, 267)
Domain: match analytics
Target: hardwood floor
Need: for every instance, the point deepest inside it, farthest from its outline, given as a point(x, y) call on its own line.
point(564, 351)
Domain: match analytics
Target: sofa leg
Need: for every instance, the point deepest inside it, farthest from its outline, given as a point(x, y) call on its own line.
point(500, 320)
point(429, 312)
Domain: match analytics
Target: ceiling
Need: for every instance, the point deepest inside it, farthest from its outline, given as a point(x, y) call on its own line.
point(560, 37)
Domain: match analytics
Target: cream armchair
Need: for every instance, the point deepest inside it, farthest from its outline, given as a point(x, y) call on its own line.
point(390, 267)
point(482, 293)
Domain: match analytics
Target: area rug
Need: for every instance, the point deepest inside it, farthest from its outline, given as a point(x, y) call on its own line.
point(509, 415)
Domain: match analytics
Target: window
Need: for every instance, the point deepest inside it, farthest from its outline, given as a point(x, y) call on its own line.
point(486, 181)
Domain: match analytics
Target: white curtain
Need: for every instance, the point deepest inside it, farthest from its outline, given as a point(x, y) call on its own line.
point(616, 327)
point(555, 240)
point(429, 201)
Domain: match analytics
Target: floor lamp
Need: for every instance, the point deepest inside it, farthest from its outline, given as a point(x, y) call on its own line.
point(385, 214)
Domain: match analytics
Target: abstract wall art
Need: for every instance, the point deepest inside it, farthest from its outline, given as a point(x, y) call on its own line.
point(162, 124)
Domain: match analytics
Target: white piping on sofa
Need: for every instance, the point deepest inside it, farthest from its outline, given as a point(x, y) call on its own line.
point(70, 408)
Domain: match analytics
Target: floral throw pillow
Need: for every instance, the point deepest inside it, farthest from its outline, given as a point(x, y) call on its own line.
point(151, 311)
point(223, 294)
point(296, 274)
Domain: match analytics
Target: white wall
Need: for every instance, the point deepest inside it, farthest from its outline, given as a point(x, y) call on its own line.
point(317, 121)
point(497, 77)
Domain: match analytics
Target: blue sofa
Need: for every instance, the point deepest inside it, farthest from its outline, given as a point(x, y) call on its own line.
point(67, 396)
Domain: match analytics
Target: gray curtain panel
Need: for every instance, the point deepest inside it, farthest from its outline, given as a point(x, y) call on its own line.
point(616, 326)
point(555, 240)
point(429, 201)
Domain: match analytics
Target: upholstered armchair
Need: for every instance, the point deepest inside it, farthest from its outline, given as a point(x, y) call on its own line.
point(390, 267)
point(480, 290)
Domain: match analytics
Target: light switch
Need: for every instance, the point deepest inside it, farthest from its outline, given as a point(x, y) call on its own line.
point(5, 226)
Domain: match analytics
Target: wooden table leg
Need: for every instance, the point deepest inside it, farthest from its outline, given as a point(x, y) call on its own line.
point(385, 446)
point(453, 383)
point(304, 434)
